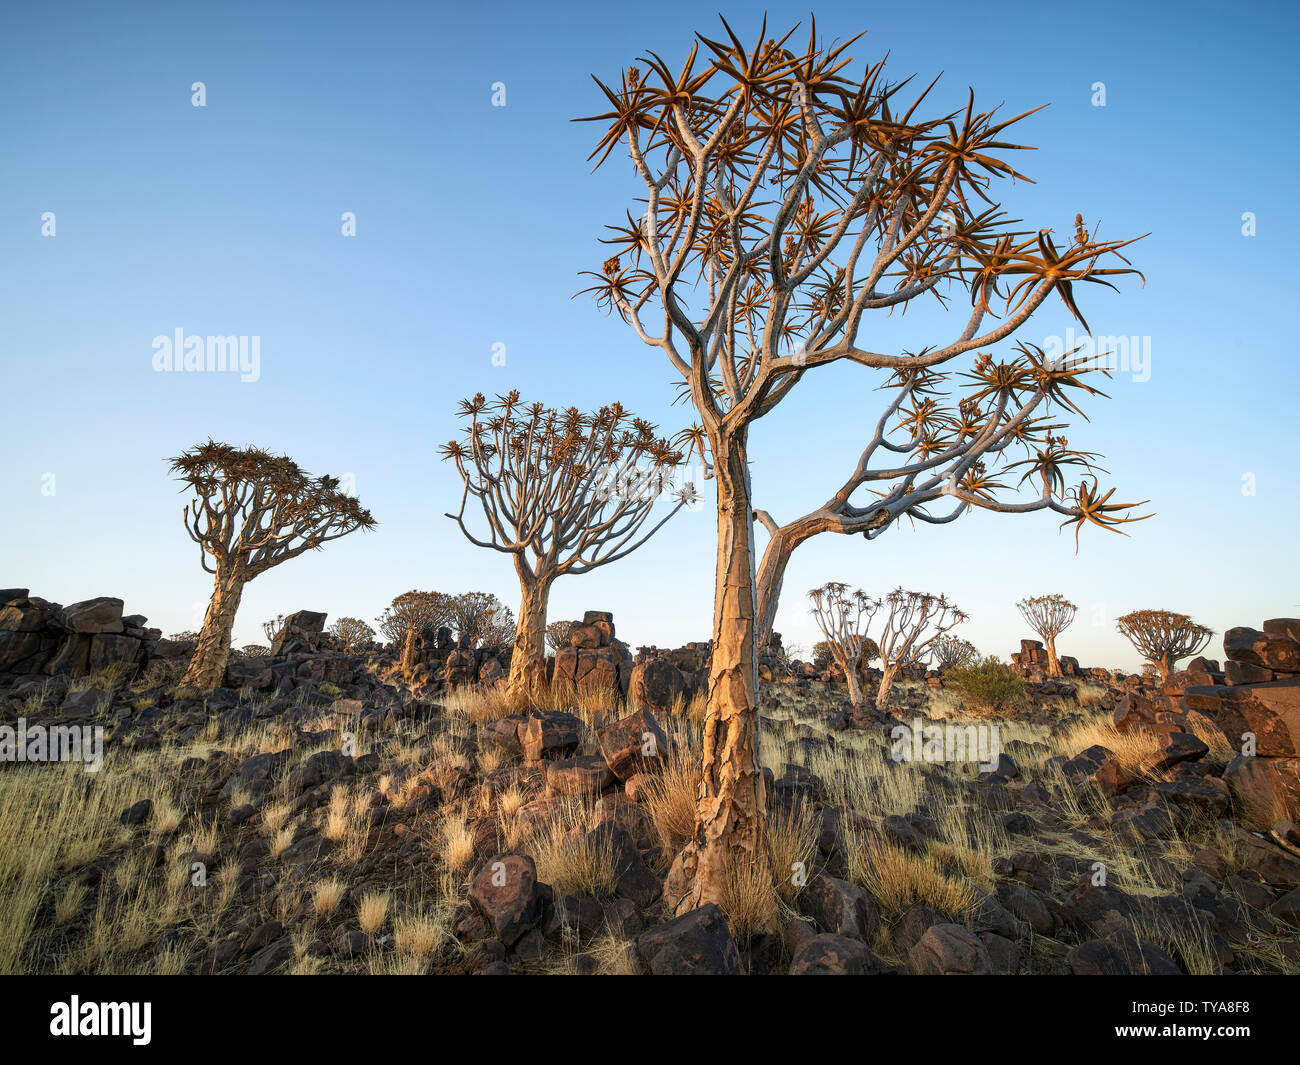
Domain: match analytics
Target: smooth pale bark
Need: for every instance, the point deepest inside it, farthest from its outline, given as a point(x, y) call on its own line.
point(528, 660)
point(207, 668)
point(771, 572)
point(730, 826)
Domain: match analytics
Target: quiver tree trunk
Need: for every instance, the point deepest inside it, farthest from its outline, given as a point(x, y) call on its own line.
point(207, 668)
point(886, 685)
point(730, 826)
point(771, 572)
point(410, 651)
point(1053, 663)
point(855, 685)
point(528, 660)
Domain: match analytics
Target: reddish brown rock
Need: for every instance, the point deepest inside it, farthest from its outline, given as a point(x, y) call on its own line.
point(1265, 788)
point(1271, 712)
point(549, 734)
point(583, 775)
point(1272, 650)
point(633, 744)
point(949, 950)
point(505, 890)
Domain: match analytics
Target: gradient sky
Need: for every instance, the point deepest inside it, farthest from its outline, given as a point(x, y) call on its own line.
point(473, 224)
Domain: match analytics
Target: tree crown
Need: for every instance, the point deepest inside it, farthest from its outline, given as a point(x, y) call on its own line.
point(559, 485)
point(786, 198)
point(255, 510)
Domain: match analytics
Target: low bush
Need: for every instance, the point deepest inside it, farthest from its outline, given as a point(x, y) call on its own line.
point(987, 682)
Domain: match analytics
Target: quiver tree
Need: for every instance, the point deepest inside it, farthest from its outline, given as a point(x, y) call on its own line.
point(844, 618)
point(948, 652)
point(410, 616)
point(482, 619)
point(353, 633)
point(1163, 637)
point(1047, 617)
point(784, 199)
point(563, 492)
point(558, 633)
point(271, 629)
point(913, 623)
point(254, 510)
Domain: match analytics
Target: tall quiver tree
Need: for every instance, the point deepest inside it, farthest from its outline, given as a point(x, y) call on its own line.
point(1162, 637)
point(844, 618)
point(562, 492)
point(253, 511)
point(784, 200)
point(1047, 617)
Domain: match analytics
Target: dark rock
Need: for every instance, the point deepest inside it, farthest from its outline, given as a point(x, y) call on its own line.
point(839, 907)
point(834, 955)
point(697, 943)
point(949, 950)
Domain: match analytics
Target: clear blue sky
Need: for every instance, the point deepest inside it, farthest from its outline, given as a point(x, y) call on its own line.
point(473, 223)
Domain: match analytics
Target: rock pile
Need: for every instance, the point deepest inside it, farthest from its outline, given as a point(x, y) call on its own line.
point(594, 661)
point(441, 662)
point(1033, 662)
point(300, 634)
point(40, 638)
point(1256, 703)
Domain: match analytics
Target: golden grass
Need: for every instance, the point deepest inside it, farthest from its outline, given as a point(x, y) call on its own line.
point(792, 844)
point(671, 799)
point(899, 880)
point(372, 911)
point(574, 862)
point(750, 900)
point(457, 840)
point(419, 934)
point(327, 895)
point(1133, 750)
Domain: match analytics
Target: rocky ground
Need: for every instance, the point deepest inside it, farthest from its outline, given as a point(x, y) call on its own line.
point(337, 820)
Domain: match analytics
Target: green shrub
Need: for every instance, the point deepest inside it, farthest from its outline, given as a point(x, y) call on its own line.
point(988, 682)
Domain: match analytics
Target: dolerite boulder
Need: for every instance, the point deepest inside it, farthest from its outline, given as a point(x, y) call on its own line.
point(633, 744)
point(697, 943)
point(256, 775)
point(108, 650)
point(582, 775)
point(37, 636)
point(21, 614)
point(1272, 649)
point(1120, 954)
point(1261, 787)
point(1270, 712)
point(832, 955)
point(92, 616)
point(949, 950)
point(594, 662)
point(656, 686)
point(839, 907)
point(506, 892)
point(461, 667)
point(300, 633)
point(549, 735)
